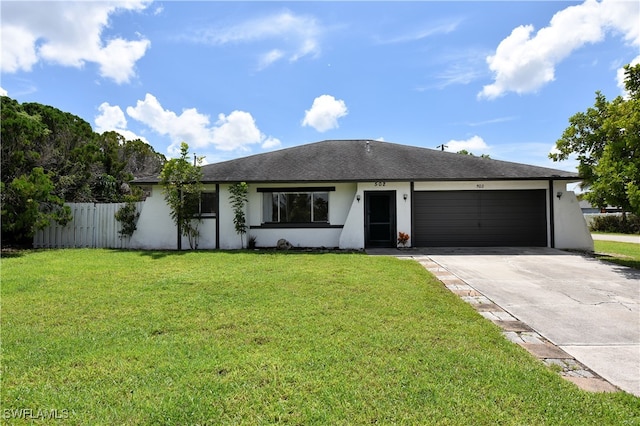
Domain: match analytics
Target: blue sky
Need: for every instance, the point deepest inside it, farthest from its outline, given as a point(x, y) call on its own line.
point(239, 78)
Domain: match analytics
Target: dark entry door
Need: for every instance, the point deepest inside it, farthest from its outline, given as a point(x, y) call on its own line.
point(380, 218)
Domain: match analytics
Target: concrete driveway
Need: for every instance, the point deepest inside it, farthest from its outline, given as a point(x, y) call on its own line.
point(588, 308)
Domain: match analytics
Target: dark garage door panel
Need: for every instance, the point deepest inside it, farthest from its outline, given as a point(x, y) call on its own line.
point(480, 218)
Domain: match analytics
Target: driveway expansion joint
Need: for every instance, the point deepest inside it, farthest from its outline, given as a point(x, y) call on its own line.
point(520, 333)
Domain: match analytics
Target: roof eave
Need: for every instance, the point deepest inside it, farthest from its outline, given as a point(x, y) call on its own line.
point(461, 179)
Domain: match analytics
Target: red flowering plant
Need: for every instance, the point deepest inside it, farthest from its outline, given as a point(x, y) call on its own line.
point(403, 239)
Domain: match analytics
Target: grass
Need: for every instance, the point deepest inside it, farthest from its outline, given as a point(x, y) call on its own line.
point(626, 254)
point(125, 337)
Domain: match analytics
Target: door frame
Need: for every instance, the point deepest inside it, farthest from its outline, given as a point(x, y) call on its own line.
point(392, 223)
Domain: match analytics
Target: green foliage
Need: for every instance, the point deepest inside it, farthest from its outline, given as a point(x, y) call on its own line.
point(606, 141)
point(629, 224)
point(465, 152)
point(181, 184)
point(28, 204)
point(81, 165)
point(252, 338)
point(238, 197)
point(252, 242)
point(128, 216)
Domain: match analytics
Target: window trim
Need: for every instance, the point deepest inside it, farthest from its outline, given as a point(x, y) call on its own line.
point(296, 225)
point(309, 190)
point(299, 189)
point(212, 215)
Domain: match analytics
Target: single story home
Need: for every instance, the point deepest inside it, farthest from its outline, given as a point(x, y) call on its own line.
point(358, 194)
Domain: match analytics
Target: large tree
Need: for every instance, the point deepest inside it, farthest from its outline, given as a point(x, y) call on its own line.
point(182, 186)
point(50, 157)
point(606, 142)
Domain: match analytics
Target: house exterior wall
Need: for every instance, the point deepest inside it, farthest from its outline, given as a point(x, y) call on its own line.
point(570, 229)
point(352, 236)
point(340, 202)
point(156, 230)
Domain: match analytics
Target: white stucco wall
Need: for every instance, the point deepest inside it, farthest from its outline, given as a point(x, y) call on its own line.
point(480, 185)
point(352, 236)
point(156, 230)
point(571, 229)
point(229, 239)
point(339, 205)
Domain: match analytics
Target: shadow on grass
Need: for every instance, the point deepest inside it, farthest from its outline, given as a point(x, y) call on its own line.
point(630, 263)
point(162, 254)
point(9, 253)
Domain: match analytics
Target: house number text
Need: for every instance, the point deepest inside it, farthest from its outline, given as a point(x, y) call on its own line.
point(379, 183)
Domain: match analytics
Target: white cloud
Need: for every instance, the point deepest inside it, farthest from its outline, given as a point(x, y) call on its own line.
point(269, 58)
point(297, 36)
point(271, 143)
point(324, 113)
point(620, 75)
point(430, 29)
point(3, 92)
point(474, 144)
point(491, 121)
point(236, 131)
point(111, 118)
point(456, 66)
point(525, 61)
point(68, 34)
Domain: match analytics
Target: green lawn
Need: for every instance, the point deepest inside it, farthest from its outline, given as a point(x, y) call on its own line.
point(627, 254)
point(126, 337)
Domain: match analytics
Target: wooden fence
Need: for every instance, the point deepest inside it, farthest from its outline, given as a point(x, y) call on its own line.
point(93, 226)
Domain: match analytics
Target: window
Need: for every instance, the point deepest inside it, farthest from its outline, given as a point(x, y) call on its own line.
point(296, 207)
point(208, 204)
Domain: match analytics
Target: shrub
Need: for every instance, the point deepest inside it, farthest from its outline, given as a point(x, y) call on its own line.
point(128, 216)
point(616, 223)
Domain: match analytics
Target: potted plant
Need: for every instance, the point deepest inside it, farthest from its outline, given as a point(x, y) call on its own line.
point(403, 238)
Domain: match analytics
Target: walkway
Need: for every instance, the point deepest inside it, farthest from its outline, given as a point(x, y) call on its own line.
point(619, 238)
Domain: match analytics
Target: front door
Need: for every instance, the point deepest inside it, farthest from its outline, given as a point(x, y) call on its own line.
point(380, 218)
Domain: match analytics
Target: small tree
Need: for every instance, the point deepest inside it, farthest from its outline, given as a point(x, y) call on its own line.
point(238, 200)
point(606, 141)
point(181, 182)
point(28, 204)
point(128, 216)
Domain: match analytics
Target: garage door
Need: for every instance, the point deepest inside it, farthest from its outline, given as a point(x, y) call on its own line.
point(480, 218)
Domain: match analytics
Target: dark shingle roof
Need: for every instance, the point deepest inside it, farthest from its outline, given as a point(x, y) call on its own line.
point(367, 160)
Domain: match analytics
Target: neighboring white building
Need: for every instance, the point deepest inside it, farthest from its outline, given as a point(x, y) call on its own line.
point(355, 194)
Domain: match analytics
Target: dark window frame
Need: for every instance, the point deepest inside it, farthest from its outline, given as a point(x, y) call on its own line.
point(214, 206)
point(290, 195)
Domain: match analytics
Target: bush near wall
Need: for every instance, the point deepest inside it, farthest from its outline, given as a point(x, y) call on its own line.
point(616, 224)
